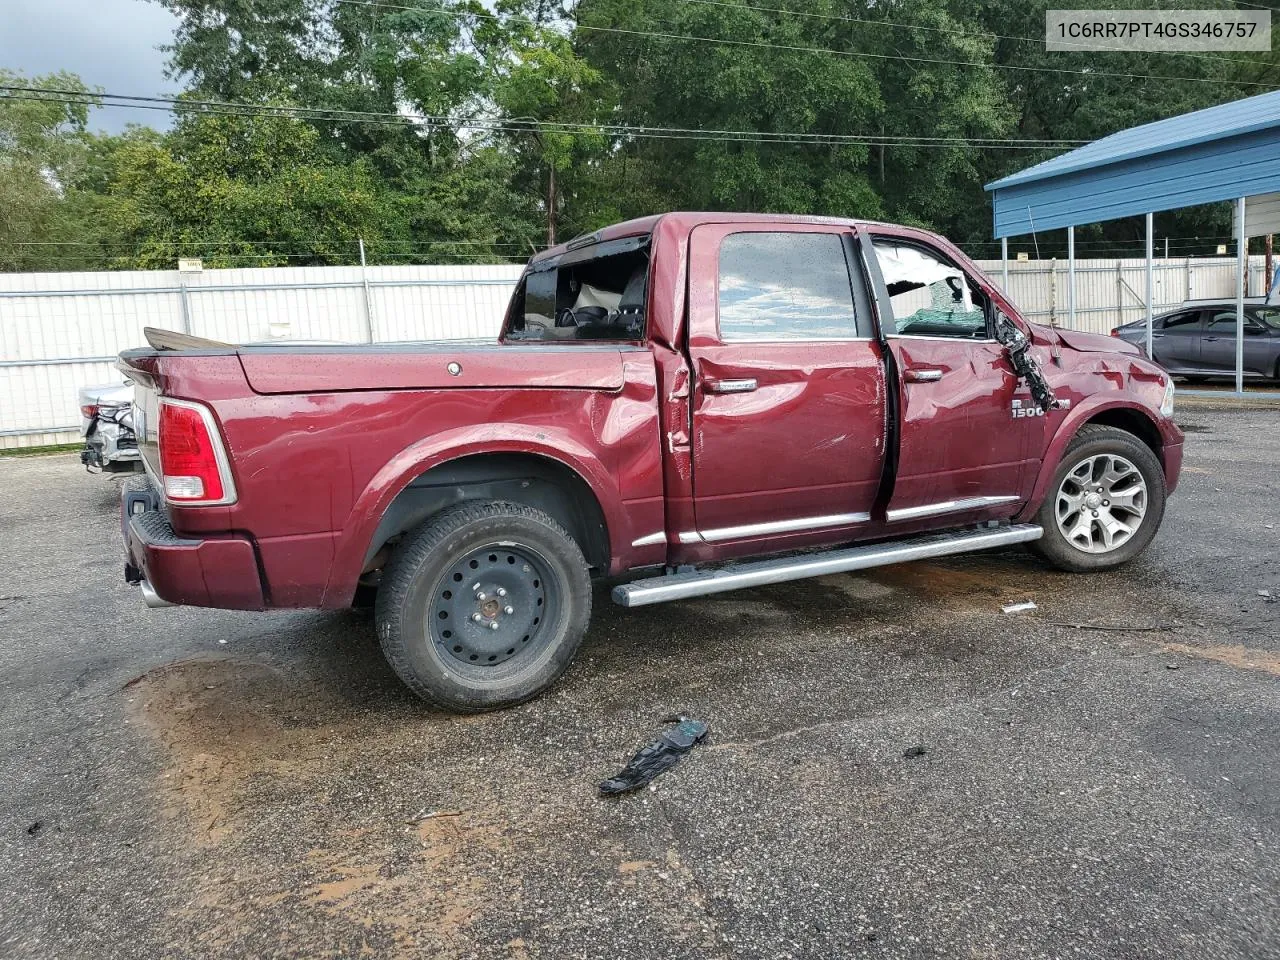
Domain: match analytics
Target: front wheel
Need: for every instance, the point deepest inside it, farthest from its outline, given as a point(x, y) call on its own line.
point(483, 606)
point(1105, 503)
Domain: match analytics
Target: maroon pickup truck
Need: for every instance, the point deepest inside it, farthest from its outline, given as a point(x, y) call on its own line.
point(685, 404)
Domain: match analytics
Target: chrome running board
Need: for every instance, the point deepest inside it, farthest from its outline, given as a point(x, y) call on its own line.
point(754, 573)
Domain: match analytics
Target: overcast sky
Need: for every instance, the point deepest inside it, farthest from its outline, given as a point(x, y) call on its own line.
point(111, 44)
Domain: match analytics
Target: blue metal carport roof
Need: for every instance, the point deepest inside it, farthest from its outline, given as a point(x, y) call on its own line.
point(1221, 153)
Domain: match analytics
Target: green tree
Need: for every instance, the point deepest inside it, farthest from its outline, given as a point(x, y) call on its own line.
point(243, 191)
point(42, 149)
point(376, 72)
point(1088, 95)
point(753, 84)
point(549, 96)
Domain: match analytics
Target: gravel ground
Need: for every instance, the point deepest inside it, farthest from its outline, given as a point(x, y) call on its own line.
point(187, 782)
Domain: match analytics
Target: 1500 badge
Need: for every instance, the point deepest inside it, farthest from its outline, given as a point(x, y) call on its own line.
point(1031, 410)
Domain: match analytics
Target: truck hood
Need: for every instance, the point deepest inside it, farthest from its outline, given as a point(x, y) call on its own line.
point(433, 366)
point(1086, 342)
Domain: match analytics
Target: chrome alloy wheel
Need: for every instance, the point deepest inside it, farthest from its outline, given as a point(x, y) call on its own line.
point(1100, 503)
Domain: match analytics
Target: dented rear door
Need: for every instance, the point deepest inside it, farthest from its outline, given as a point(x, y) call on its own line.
point(789, 389)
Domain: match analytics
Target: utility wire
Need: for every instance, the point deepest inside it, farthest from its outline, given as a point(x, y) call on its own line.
point(344, 114)
point(1255, 6)
point(796, 48)
point(943, 30)
point(320, 114)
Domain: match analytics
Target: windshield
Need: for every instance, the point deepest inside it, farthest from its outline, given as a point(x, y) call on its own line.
point(590, 294)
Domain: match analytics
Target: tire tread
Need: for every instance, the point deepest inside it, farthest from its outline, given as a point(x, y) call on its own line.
point(416, 550)
point(1053, 548)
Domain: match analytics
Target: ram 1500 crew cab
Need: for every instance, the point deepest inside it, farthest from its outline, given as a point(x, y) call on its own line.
point(684, 404)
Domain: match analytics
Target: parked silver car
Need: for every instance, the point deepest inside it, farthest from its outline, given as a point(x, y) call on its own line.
point(1198, 340)
point(106, 423)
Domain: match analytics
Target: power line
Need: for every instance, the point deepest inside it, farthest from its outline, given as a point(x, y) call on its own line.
point(921, 27)
point(796, 48)
point(1255, 6)
point(322, 114)
point(338, 113)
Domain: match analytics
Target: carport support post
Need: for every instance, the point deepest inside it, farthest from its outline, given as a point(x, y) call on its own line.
point(1242, 253)
point(1004, 264)
point(1071, 277)
point(368, 299)
point(1151, 277)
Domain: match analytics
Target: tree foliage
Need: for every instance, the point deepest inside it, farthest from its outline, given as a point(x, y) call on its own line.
point(456, 130)
point(42, 149)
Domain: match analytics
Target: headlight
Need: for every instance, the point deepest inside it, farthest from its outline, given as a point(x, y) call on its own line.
point(1166, 405)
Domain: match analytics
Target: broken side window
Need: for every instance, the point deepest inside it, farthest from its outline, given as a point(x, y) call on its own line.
point(593, 293)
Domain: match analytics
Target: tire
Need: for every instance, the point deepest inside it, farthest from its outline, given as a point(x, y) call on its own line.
point(1108, 546)
point(463, 571)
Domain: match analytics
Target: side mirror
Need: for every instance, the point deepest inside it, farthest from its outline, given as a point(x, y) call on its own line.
point(1017, 346)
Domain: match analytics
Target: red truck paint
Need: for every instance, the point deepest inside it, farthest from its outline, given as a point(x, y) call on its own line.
point(321, 439)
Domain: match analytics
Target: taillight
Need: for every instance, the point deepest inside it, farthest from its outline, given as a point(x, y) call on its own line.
point(89, 411)
point(191, 457)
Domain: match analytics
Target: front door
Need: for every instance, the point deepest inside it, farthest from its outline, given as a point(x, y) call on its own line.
point(1219, 349)
point(965, 422)
point(789, 388)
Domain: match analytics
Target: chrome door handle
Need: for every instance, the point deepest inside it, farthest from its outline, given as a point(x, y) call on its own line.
point(731, 386)
point(922, 376)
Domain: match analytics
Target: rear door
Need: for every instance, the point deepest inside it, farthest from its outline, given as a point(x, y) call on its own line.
point(1175, 341)
point(789, 388)
point(966, 423)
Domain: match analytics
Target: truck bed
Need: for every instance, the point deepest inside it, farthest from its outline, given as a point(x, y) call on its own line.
point(321, 439)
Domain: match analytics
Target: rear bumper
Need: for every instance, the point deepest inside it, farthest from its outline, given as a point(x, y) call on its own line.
point(216, 572)
point(107, 443)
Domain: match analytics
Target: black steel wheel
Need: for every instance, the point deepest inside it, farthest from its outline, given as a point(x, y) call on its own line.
point(483, 606)
point(492, 604)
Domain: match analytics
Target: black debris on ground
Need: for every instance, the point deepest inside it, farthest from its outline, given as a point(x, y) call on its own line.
point(657, 758)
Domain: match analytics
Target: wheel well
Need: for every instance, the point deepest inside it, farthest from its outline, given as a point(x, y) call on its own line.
point(1135, 422)
point(539, 482)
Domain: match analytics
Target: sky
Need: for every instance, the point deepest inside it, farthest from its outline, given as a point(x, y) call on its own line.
point(112, 44)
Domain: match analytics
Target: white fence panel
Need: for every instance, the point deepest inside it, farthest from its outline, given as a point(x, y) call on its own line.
point(1112, 292)
point(60, 331)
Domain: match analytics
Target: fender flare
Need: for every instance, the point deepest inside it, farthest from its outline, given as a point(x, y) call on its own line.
point(1066, 431)
point(416, 459)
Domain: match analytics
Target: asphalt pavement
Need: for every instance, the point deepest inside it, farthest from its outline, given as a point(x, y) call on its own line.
point(895, 768)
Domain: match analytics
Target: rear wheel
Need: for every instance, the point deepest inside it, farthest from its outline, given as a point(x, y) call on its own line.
point(483, 606)
point(1104, 504)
